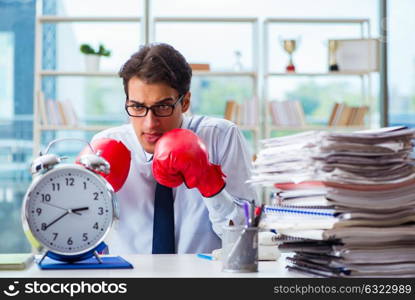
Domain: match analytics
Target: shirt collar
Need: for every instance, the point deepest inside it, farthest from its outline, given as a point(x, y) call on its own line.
point(149, 156)
point(185, 122)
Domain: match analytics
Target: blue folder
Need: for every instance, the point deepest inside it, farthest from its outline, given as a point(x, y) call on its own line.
point(108, 262)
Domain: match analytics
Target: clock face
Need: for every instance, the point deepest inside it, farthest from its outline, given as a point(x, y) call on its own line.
point(69, 210)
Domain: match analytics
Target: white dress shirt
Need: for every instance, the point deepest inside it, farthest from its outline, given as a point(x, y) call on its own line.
point(198, 221)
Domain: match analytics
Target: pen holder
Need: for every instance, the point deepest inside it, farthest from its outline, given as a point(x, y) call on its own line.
point(240, 249)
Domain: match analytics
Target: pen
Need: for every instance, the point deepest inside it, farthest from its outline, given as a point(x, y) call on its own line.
point(247, 216)
point(204, 256)
point(252, 219)
point(259, 214)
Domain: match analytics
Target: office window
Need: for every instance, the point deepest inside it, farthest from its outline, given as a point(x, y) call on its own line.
point(401, 62)
point(16, 99)
point(6, 74)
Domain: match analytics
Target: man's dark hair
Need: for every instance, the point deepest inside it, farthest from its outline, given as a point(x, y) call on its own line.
point(158, 63)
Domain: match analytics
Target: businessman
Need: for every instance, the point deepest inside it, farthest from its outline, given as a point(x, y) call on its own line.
point(187, 173)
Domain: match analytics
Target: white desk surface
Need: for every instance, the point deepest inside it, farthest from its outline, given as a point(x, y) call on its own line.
point(163, 265)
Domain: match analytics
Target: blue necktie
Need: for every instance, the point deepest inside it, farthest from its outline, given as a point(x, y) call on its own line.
point(163, 223)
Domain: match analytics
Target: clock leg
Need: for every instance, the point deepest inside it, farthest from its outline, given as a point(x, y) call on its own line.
point(97, 257)
point(43, 257)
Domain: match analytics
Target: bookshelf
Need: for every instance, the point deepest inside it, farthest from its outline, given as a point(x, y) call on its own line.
point(260, 74)
point(363, 76)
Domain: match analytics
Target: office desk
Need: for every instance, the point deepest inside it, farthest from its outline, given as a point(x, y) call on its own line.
point(163, 265)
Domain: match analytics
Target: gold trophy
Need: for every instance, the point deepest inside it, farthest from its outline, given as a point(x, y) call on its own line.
point(333, 45)
point(289, 46)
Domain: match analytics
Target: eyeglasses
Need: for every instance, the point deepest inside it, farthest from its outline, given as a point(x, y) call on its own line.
point(159, 110)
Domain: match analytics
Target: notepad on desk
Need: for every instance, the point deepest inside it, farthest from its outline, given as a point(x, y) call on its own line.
point(15, 261)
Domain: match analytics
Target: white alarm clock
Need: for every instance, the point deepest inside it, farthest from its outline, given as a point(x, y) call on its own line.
point(69, 209)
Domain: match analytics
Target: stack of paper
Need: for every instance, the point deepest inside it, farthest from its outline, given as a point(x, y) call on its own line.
point(367, 157)
point(286, 159)
point(363, 223)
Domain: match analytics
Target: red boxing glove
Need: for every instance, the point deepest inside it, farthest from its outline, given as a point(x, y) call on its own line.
point(117, 155)
point(180, 156)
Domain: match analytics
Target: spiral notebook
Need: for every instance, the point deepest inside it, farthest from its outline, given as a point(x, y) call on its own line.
point(300, 218)
point(300, 211)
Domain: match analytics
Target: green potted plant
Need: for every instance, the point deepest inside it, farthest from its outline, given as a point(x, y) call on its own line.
point(92, 56)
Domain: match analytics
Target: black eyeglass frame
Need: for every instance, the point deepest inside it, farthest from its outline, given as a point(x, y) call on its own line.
point(152, 108)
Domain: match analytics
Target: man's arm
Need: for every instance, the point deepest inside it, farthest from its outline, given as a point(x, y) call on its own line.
point(235, 159)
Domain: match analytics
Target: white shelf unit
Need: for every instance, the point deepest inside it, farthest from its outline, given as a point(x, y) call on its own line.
point(38, 128)
point(255, 129)
point(260, 76)
point(365, 77)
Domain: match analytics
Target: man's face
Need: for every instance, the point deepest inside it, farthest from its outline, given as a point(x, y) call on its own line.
point(150, 128)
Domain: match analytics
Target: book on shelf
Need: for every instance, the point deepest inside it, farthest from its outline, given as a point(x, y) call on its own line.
point(333, 113)
point(52, 112)
point(200, 66)
point(299, 111)
point(230, 110)
point(248, 112)
point(287, 113)
point(42, 109)
point(343, 118)
point(70, 113)
point(238, 114)
point(57, 112)
point(241, 113)
point(62, 113)
point(345, 115)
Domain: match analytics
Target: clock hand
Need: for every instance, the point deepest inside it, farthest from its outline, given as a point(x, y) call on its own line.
point(56, 220)
point(68, 211)
point(53, 205)
point(74, 210)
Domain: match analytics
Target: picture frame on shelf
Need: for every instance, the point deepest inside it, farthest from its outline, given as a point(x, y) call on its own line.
point(354, 55)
